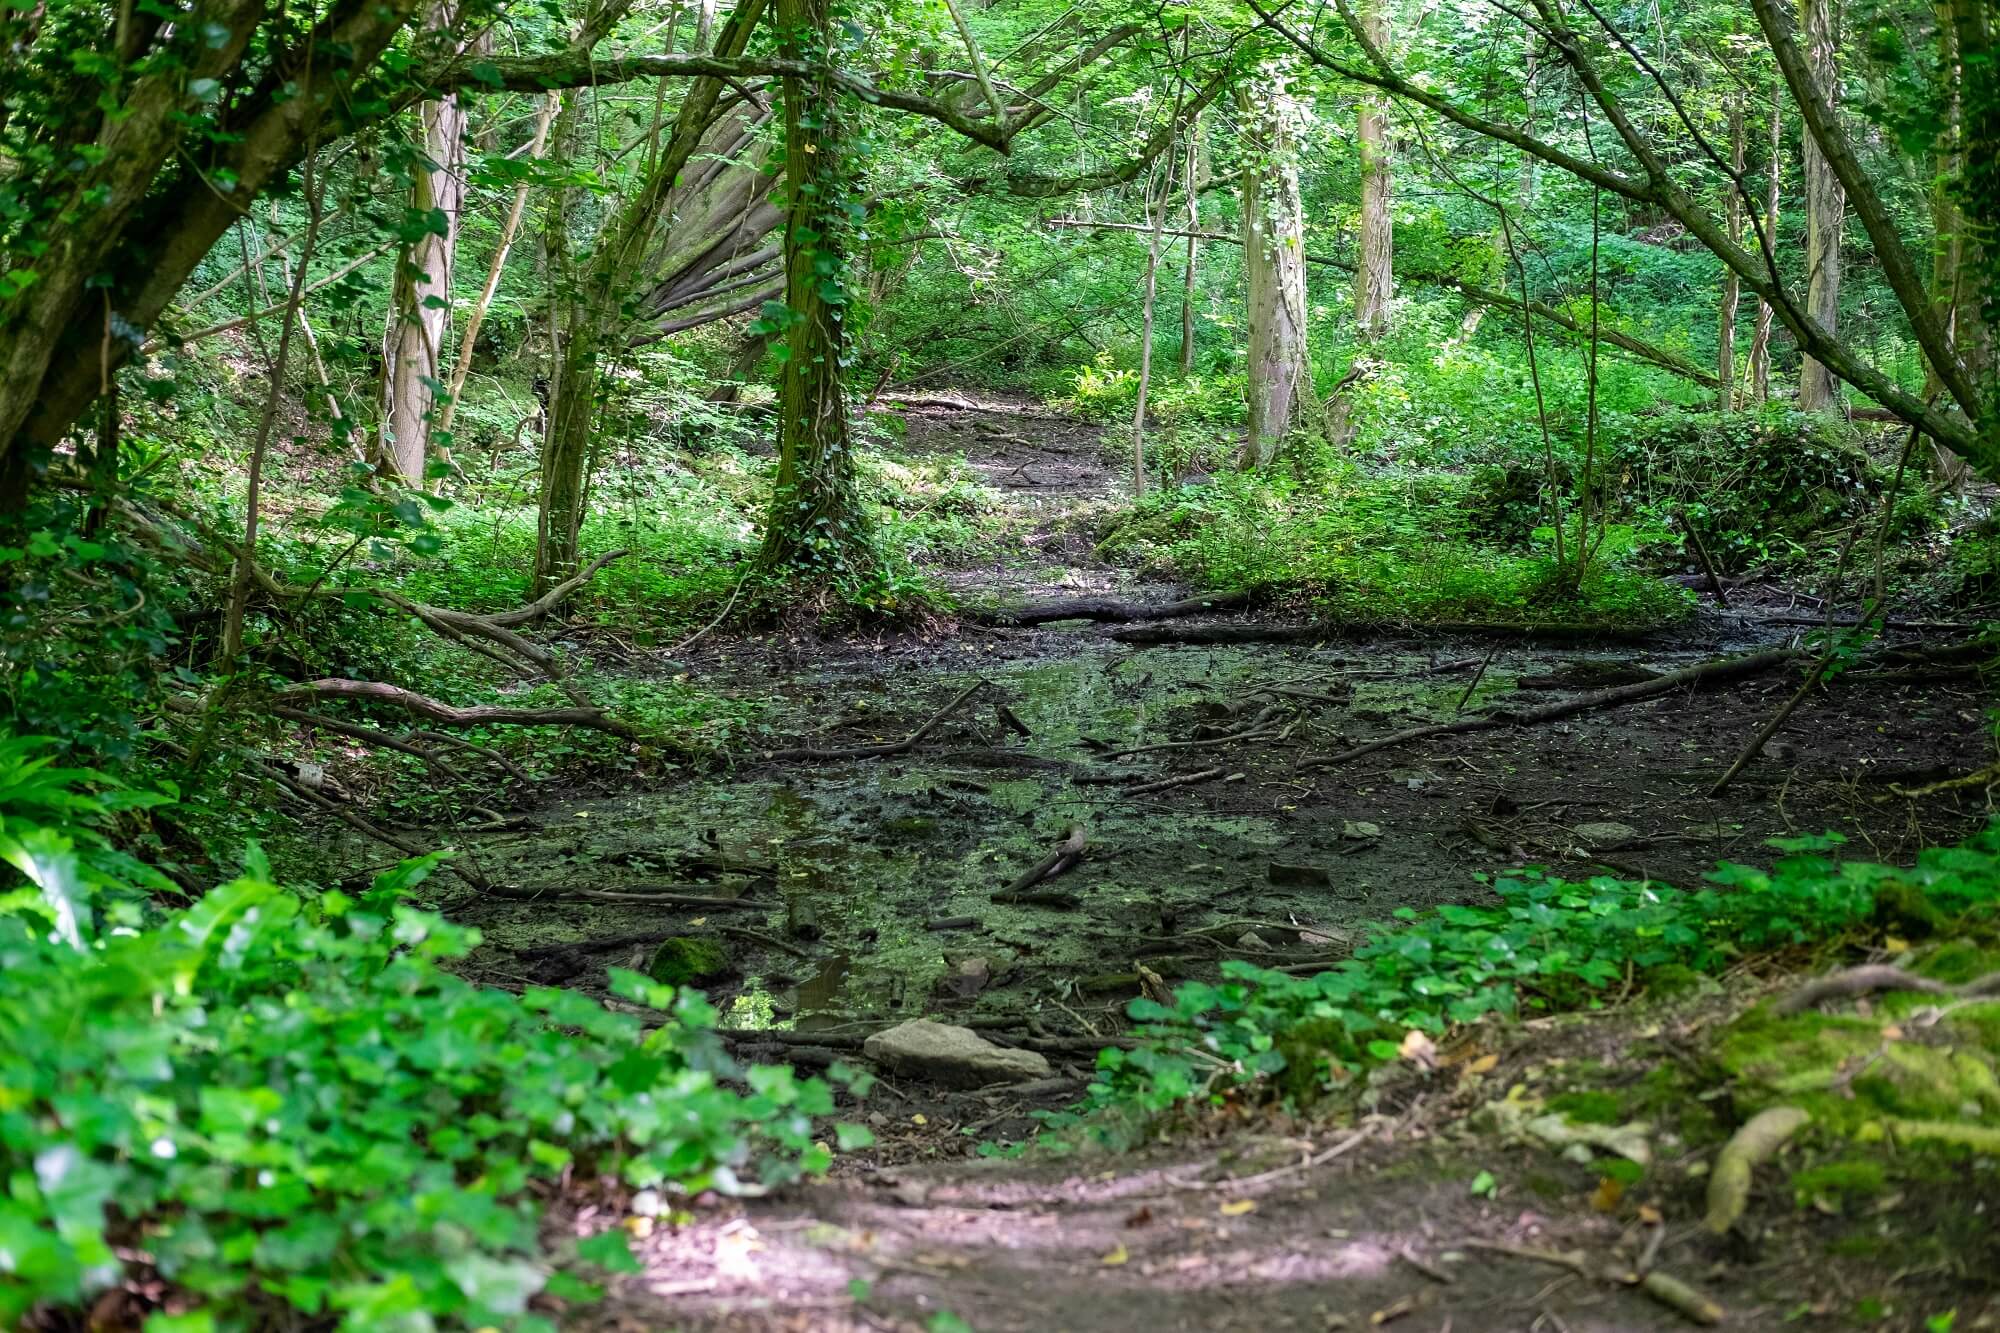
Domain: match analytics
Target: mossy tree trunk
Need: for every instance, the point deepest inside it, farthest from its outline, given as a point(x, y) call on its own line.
point(1374, 276)
point(818, 526)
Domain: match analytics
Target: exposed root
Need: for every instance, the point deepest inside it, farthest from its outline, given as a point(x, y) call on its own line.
point(1857, 981)
point(1729, 1183)
point(1064, 856)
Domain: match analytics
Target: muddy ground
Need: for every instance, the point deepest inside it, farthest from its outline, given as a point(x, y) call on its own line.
point(871, 886)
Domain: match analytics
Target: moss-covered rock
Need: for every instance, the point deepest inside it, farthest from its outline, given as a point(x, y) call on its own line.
point(689, 960)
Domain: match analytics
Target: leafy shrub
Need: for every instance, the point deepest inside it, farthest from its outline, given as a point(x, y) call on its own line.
point(290, 1109)
point(1547, 943)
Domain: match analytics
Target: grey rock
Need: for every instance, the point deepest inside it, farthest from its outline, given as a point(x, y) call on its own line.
point(953, 1056)
point(1605, 834)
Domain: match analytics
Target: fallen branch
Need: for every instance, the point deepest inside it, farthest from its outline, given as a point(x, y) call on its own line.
point(1062, 858)
point(1702, 673)
point(1184, 780)
point(1327, 630)
point(908, 742)
point(1874, 977)
point(448, 715)
point(1112, 610)
point(1985, 777)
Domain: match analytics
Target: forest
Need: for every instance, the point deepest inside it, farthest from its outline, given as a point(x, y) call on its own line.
point(999, 664)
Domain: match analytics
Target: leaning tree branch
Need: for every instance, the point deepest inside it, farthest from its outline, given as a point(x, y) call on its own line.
point(1897, 267)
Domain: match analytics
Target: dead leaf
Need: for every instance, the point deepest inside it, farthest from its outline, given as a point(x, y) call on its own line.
point(1140, 1218)
point(1650, 1215)
point(1609, 1192)
point(1419, 1049)
point(1395, 1310)
point(1483, 1065)
point(1238, 1207)
point(1892, 1032)
point(919, 1119)
point(1116, 1257)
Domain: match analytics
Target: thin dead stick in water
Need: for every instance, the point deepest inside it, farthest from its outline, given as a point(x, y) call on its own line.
point(892, 748)
point(1065, 855)
point(1755, 744)
point(1477, 676)
point(759, 937)
point(1186, 779)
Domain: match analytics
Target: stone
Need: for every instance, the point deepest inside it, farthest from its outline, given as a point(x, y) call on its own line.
point(689, 960)
point(1299, 876)
point(953, 1056)
point(1359, 830)
point(1605, 834)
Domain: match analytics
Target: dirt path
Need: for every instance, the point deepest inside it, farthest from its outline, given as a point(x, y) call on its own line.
point(879, 875)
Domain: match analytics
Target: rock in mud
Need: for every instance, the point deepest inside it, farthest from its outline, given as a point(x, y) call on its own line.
point(1605, 835)
point(953, 1056)
point(689, 960)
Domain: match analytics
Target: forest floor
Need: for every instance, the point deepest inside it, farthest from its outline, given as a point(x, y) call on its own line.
point(872, 880)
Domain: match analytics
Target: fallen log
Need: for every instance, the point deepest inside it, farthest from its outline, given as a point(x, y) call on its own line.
point(1702, 673)
point(1324, 631)
point(908, 742)
point(1061, 858)
point(1112, 610)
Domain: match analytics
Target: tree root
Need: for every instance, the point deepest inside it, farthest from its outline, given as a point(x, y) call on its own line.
point(1327, 631)
point(1729, 1183)
point(448, 715)
point(1856, 981)
point(1702, 673)
point(1668, 1291)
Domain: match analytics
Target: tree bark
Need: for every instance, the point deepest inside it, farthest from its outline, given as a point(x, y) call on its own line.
point(1826, 207)
point(1374, 278)
point(420, 312)
point(1279, 376)
point(1732, 286)
point(1193, 190)
point(818, 526)
point(1774, 170)
point(461, 366)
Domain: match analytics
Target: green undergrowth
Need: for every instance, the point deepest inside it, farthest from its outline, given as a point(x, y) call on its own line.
point(1397, 545)
point(269, 1111)
point(1541, 945)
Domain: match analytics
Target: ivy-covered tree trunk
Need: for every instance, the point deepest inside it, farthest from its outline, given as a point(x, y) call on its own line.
point(817, 525)
point(1279, 378)
point(1826, 207)
point(420, 312)
point(1374, 276)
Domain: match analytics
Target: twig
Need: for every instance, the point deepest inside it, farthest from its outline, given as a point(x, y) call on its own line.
point(1065, 855)
point(1477, 676)
point(1185, 779)
point(744, 932)
point(892, 748)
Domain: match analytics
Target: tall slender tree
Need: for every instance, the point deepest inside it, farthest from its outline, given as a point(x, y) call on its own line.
point(420, 309)
point(1374, 275)
point(1826, 205)
point(1274, 262)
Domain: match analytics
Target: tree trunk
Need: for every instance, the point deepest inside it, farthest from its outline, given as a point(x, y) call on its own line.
point(420, 312)
point(1826, 207)
point(1760, 338)
point(1152, 291)
point(1193, 184)
point(1732, 286)
point(818, 525)
point(1374, 278)
point(1273, 262)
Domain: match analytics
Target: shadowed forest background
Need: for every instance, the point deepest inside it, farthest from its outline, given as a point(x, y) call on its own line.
point(870, 664)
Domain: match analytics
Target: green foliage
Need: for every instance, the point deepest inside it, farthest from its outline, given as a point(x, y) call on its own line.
point(292, 1105)
point(1546, 944)
point(1401, 544)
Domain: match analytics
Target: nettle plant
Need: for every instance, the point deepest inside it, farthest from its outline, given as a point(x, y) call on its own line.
point(1546, 944)
point(279, 1110)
